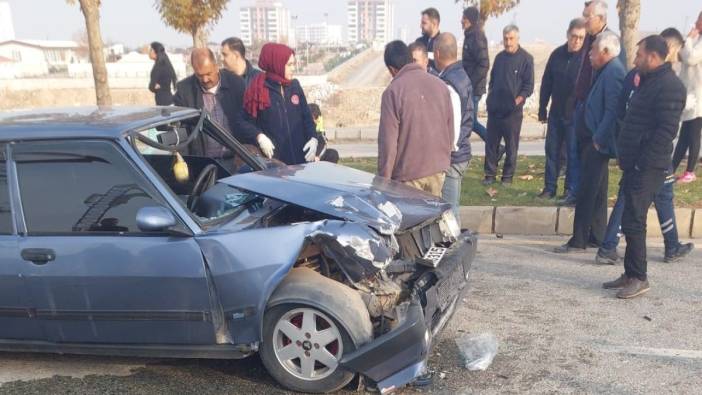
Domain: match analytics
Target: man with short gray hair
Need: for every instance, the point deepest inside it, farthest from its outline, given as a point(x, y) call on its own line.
point(598, 144)
point(595, 15)
point(511, 83)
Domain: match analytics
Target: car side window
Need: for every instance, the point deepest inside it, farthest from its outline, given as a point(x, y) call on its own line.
point(5, 209)
point(80, 187)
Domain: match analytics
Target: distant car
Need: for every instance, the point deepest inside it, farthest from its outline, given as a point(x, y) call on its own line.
point(325, 271)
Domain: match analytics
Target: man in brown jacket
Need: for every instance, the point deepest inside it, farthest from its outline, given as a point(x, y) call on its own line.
point(415, 139)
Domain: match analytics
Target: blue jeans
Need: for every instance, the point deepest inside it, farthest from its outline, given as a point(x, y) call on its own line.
point(451, 192)
point(666, 217)
point(561, 132)
point(477, 126)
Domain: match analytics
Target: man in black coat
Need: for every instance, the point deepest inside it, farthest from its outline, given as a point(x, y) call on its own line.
point(511, 83)
point(645, 145)
point(476, 61)
point(234, 60)
point(430, 31)
point(220, 93)
point(557, 86)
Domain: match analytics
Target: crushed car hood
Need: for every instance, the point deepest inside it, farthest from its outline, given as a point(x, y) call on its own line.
point(345, 193)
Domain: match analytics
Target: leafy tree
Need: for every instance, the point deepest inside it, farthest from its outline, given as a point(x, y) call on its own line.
point(490, 8)
point(191, 16)
point(91, 12)
point(629, 16)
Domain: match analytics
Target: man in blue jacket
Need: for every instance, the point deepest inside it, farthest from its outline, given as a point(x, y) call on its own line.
point(452, 73)
point(598, 144)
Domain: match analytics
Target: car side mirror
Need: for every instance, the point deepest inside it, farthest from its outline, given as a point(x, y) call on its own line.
point(155, 219)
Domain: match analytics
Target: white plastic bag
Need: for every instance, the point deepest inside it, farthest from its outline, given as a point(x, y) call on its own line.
point(477, 351)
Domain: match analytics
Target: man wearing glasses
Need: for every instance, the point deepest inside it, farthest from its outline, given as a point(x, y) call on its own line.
point(557, 86)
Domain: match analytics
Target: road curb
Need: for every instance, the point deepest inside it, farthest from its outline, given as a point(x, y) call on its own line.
point(548, 221)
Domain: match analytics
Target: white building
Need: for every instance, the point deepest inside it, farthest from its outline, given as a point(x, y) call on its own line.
point(266, 21)
point(319, 34)
point(370, 21)
point(7, 30)
point(39, 57)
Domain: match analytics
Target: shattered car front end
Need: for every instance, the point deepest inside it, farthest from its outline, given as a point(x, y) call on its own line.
point(400, 249)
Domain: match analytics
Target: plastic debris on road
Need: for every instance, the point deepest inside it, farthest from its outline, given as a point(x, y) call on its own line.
point(477, 351)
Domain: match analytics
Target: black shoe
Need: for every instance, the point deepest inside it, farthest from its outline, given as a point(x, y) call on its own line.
point(506, 182)
point(569, 201)
point(488, 181)
point(567, 249)
point(501, 152)
point(619, 283)
point(607, 257)
point(546, 195)
point(678, 253)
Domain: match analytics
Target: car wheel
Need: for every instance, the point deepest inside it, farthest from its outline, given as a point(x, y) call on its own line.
point(302, 347)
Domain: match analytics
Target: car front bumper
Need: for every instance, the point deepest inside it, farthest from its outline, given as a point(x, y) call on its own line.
point(399, 356)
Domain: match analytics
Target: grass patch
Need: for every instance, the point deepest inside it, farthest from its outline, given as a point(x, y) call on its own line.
point(524, 190)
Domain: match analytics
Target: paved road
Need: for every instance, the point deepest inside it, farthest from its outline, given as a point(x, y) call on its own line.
point(558, 333)
point(362, 150)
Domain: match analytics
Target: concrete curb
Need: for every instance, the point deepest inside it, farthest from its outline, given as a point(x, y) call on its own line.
point(544, 221)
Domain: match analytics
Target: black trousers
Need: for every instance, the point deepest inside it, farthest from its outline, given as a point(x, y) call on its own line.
point(498, 129)
point(590, 221)
point(639, 188)
point(689, 139)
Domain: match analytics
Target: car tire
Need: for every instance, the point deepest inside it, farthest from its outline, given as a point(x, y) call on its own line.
point(281, 341)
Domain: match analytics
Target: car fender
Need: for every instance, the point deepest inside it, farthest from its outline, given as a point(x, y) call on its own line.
point(305, 286)
point(248, 266)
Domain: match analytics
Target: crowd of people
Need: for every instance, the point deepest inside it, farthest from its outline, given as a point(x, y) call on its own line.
point(594, 109)
point(596, 112)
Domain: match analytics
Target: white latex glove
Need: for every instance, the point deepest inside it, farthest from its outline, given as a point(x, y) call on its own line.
point(310, 149)
point(266, 145)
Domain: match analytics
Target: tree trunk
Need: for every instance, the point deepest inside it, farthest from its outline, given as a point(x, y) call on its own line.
point(199, 38)
point(91, 12)
point(629, 15)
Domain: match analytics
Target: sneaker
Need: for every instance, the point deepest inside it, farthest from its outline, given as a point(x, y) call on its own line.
point(546, 195)
point(488, 181)
point(687, 177)
point(569, 201)
point(607, 257)
point(621, 282)
point(679, 253)
point(506, 181)
point(567, 249)
point(634, 288)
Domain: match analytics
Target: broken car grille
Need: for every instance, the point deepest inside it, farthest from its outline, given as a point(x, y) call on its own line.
point(415, 242)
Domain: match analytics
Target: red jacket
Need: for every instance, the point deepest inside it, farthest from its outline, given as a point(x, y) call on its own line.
point(416, 126)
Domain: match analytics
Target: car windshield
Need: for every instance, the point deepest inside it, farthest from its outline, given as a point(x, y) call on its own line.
point(190, 156)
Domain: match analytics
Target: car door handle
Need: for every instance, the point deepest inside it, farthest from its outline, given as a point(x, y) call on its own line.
point(38, 256)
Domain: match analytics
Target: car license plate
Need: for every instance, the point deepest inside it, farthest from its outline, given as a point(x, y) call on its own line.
point(435, 254)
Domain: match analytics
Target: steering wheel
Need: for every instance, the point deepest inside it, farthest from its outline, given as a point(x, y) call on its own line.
point(203, 182)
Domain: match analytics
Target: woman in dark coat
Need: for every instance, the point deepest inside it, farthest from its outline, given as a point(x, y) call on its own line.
point(163, 75)
point(276, 103)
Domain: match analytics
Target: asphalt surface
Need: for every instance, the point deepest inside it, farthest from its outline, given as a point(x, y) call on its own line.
point(558, 332)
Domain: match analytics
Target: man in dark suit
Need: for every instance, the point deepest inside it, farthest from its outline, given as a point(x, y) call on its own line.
point(220, 93)
point(597, 142)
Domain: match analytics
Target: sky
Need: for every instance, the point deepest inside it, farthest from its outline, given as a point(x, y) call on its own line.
point(135, 22)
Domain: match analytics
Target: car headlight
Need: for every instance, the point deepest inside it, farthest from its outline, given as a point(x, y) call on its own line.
point(449, 225)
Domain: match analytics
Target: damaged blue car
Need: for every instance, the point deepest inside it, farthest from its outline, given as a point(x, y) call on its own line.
point(119, 236)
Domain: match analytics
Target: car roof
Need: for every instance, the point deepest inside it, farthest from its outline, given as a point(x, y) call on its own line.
point(85, 122)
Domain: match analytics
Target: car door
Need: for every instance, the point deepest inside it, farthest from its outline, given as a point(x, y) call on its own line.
point(16, 320)
point(93, 276)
